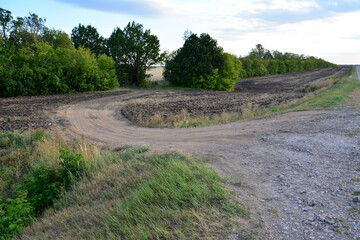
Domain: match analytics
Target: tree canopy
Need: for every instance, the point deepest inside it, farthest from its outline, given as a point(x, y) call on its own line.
point(201, 63)
point(35, 60)
point(88, 37)
point(261, 61)
point(134, 50)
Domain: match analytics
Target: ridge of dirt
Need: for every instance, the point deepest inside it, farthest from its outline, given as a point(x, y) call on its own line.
point(260, 92)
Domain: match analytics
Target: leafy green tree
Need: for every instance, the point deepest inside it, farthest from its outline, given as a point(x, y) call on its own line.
point(35, 60)
point(88, 37)
point(258, 67)
point(272, 67)
point(5, 23)
point(258, 51)
point(199, 57)
point(261, 61)
point(200, 63)
point(134, 50)
point(57, 38)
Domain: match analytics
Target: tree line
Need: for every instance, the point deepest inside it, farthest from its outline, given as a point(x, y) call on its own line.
point(261, 61)
point(36, 60)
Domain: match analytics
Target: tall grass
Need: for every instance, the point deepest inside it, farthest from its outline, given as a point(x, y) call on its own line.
point(124, 193)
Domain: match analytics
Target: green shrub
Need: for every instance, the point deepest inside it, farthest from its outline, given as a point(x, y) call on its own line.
point(43, 185)
point(46, 69)
point(14, 215)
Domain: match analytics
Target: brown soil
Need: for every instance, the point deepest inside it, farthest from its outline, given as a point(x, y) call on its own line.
point(261, 92)
point(35, 112)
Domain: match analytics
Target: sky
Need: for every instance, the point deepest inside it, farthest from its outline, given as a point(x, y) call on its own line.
point(322, 28)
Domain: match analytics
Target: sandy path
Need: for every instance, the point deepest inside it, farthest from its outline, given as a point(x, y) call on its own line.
point(296, 172)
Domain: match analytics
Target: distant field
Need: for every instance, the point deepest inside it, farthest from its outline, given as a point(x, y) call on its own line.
point(156, 73)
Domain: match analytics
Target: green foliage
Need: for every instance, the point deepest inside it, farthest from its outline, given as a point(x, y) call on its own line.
point(18, 140)
point(88, 37)
point(35, 60)
point(29, 188)
point(14, 215)
point(200, 63)
point(43, 185)
point(73, 168)
point(134, 50)
point(261, 62)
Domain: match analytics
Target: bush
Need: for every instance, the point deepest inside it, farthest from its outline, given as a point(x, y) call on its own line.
point(14, 215)
point(46, 69)
point(201, 64)
point(43, 185)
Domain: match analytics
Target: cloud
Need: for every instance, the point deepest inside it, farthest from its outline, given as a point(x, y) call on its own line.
point(130, 7)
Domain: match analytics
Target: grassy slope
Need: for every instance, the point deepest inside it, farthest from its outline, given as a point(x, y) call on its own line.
point(125, 193)
point(332, 97)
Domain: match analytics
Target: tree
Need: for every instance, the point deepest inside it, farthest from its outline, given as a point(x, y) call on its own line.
point(88, 37)
point(35, 60)
point(258, 51)
point(57, 38)
point(200, 63)
point(134, 50)
point(5, 20)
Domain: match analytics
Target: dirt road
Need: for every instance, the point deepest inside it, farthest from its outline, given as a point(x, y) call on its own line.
point(295, 172)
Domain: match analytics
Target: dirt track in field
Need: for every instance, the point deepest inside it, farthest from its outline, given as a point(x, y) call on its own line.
point(295, 172)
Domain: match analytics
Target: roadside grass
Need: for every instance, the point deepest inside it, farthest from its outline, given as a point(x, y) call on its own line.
point(123, 193)
point(319, 95)
point(342, 91)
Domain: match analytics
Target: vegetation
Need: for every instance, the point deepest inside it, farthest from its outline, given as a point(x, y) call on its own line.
point(134, 50)
point(342, 91)
point(107, 193)
point(88, 37)
point(261, 61)
point(201, 64)
point(35, 60)
point(31, 187)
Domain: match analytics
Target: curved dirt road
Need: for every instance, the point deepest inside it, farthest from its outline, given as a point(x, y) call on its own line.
point(295, 172)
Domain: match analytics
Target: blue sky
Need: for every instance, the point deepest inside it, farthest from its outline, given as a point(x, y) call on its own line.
point(326, 29)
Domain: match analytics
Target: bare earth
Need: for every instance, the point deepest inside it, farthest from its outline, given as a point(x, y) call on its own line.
point(295, 172)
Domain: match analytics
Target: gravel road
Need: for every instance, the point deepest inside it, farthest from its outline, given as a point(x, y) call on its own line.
point(297, 173)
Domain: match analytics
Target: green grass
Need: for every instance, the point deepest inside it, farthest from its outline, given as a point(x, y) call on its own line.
point(124, 193)
point(330, 98)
